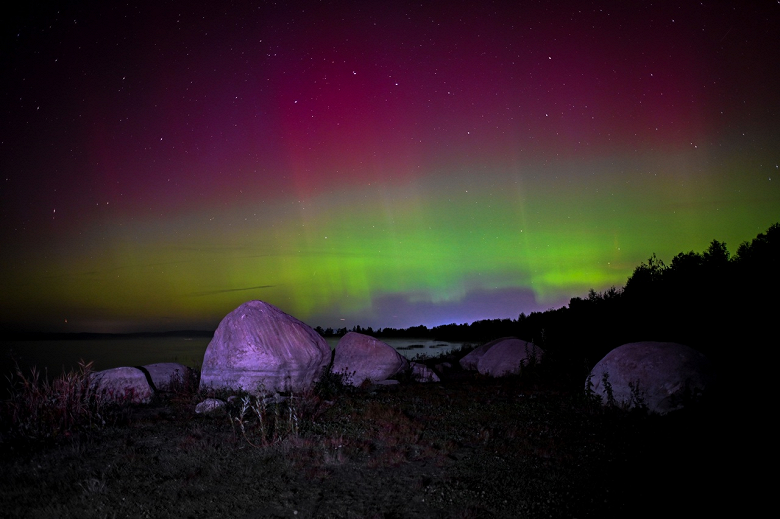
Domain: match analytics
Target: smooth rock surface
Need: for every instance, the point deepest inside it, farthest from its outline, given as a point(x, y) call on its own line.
point(210, 405)
point(469, 362)
point(501, 357)
point(508, 356)
point(166, 376)
point(257, 347)
point(664, 375)
point(422, 373)
point(122, 385)
point(361, 357)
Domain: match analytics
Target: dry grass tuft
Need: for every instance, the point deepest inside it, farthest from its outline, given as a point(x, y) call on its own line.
point(40, 409)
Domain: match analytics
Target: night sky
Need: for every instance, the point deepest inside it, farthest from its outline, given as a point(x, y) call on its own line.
point(382, 165)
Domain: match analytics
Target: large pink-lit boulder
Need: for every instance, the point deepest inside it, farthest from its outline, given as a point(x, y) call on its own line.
point(121, 385)
point(505, 356)
point(258, 347)
point(361, 357)
point(660, 375)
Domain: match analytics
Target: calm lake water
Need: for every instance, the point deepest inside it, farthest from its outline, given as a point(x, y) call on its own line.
point(112, 353)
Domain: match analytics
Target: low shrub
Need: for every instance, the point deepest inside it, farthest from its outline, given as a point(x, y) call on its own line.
point(40, 409)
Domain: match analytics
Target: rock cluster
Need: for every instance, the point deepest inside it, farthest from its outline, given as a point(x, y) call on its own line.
point(260, 349)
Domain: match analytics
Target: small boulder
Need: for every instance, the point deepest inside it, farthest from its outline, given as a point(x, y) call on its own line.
point(122, 385)
point(210, 405)
point(662, 376)
point(167, 376)
point(361, 357)
point(257, 345)
point(505, 356)
point(422, 373)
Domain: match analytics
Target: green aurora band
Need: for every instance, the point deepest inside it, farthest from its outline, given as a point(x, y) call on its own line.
point(556, 232)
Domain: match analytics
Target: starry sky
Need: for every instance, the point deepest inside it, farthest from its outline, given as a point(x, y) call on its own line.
point(386, 165)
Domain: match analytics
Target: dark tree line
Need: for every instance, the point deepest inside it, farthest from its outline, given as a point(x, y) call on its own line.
point(719, 304)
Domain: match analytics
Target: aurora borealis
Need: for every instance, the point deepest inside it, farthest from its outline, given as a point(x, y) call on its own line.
point(387, 166)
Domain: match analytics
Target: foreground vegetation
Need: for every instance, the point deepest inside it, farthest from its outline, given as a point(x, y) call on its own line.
point(470, 446)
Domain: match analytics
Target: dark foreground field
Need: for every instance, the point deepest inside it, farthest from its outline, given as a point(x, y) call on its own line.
point(467, 447)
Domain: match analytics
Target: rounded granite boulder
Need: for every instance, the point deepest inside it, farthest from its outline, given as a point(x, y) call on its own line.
point(661, 376)
point(361, 357)
point(122, 385)
point(500, 357)
point(257, 347)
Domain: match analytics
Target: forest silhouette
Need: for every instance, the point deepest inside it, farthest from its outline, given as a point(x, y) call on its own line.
point(719, 304)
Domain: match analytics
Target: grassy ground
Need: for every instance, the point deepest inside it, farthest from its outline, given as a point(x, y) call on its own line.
point(467, 447)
